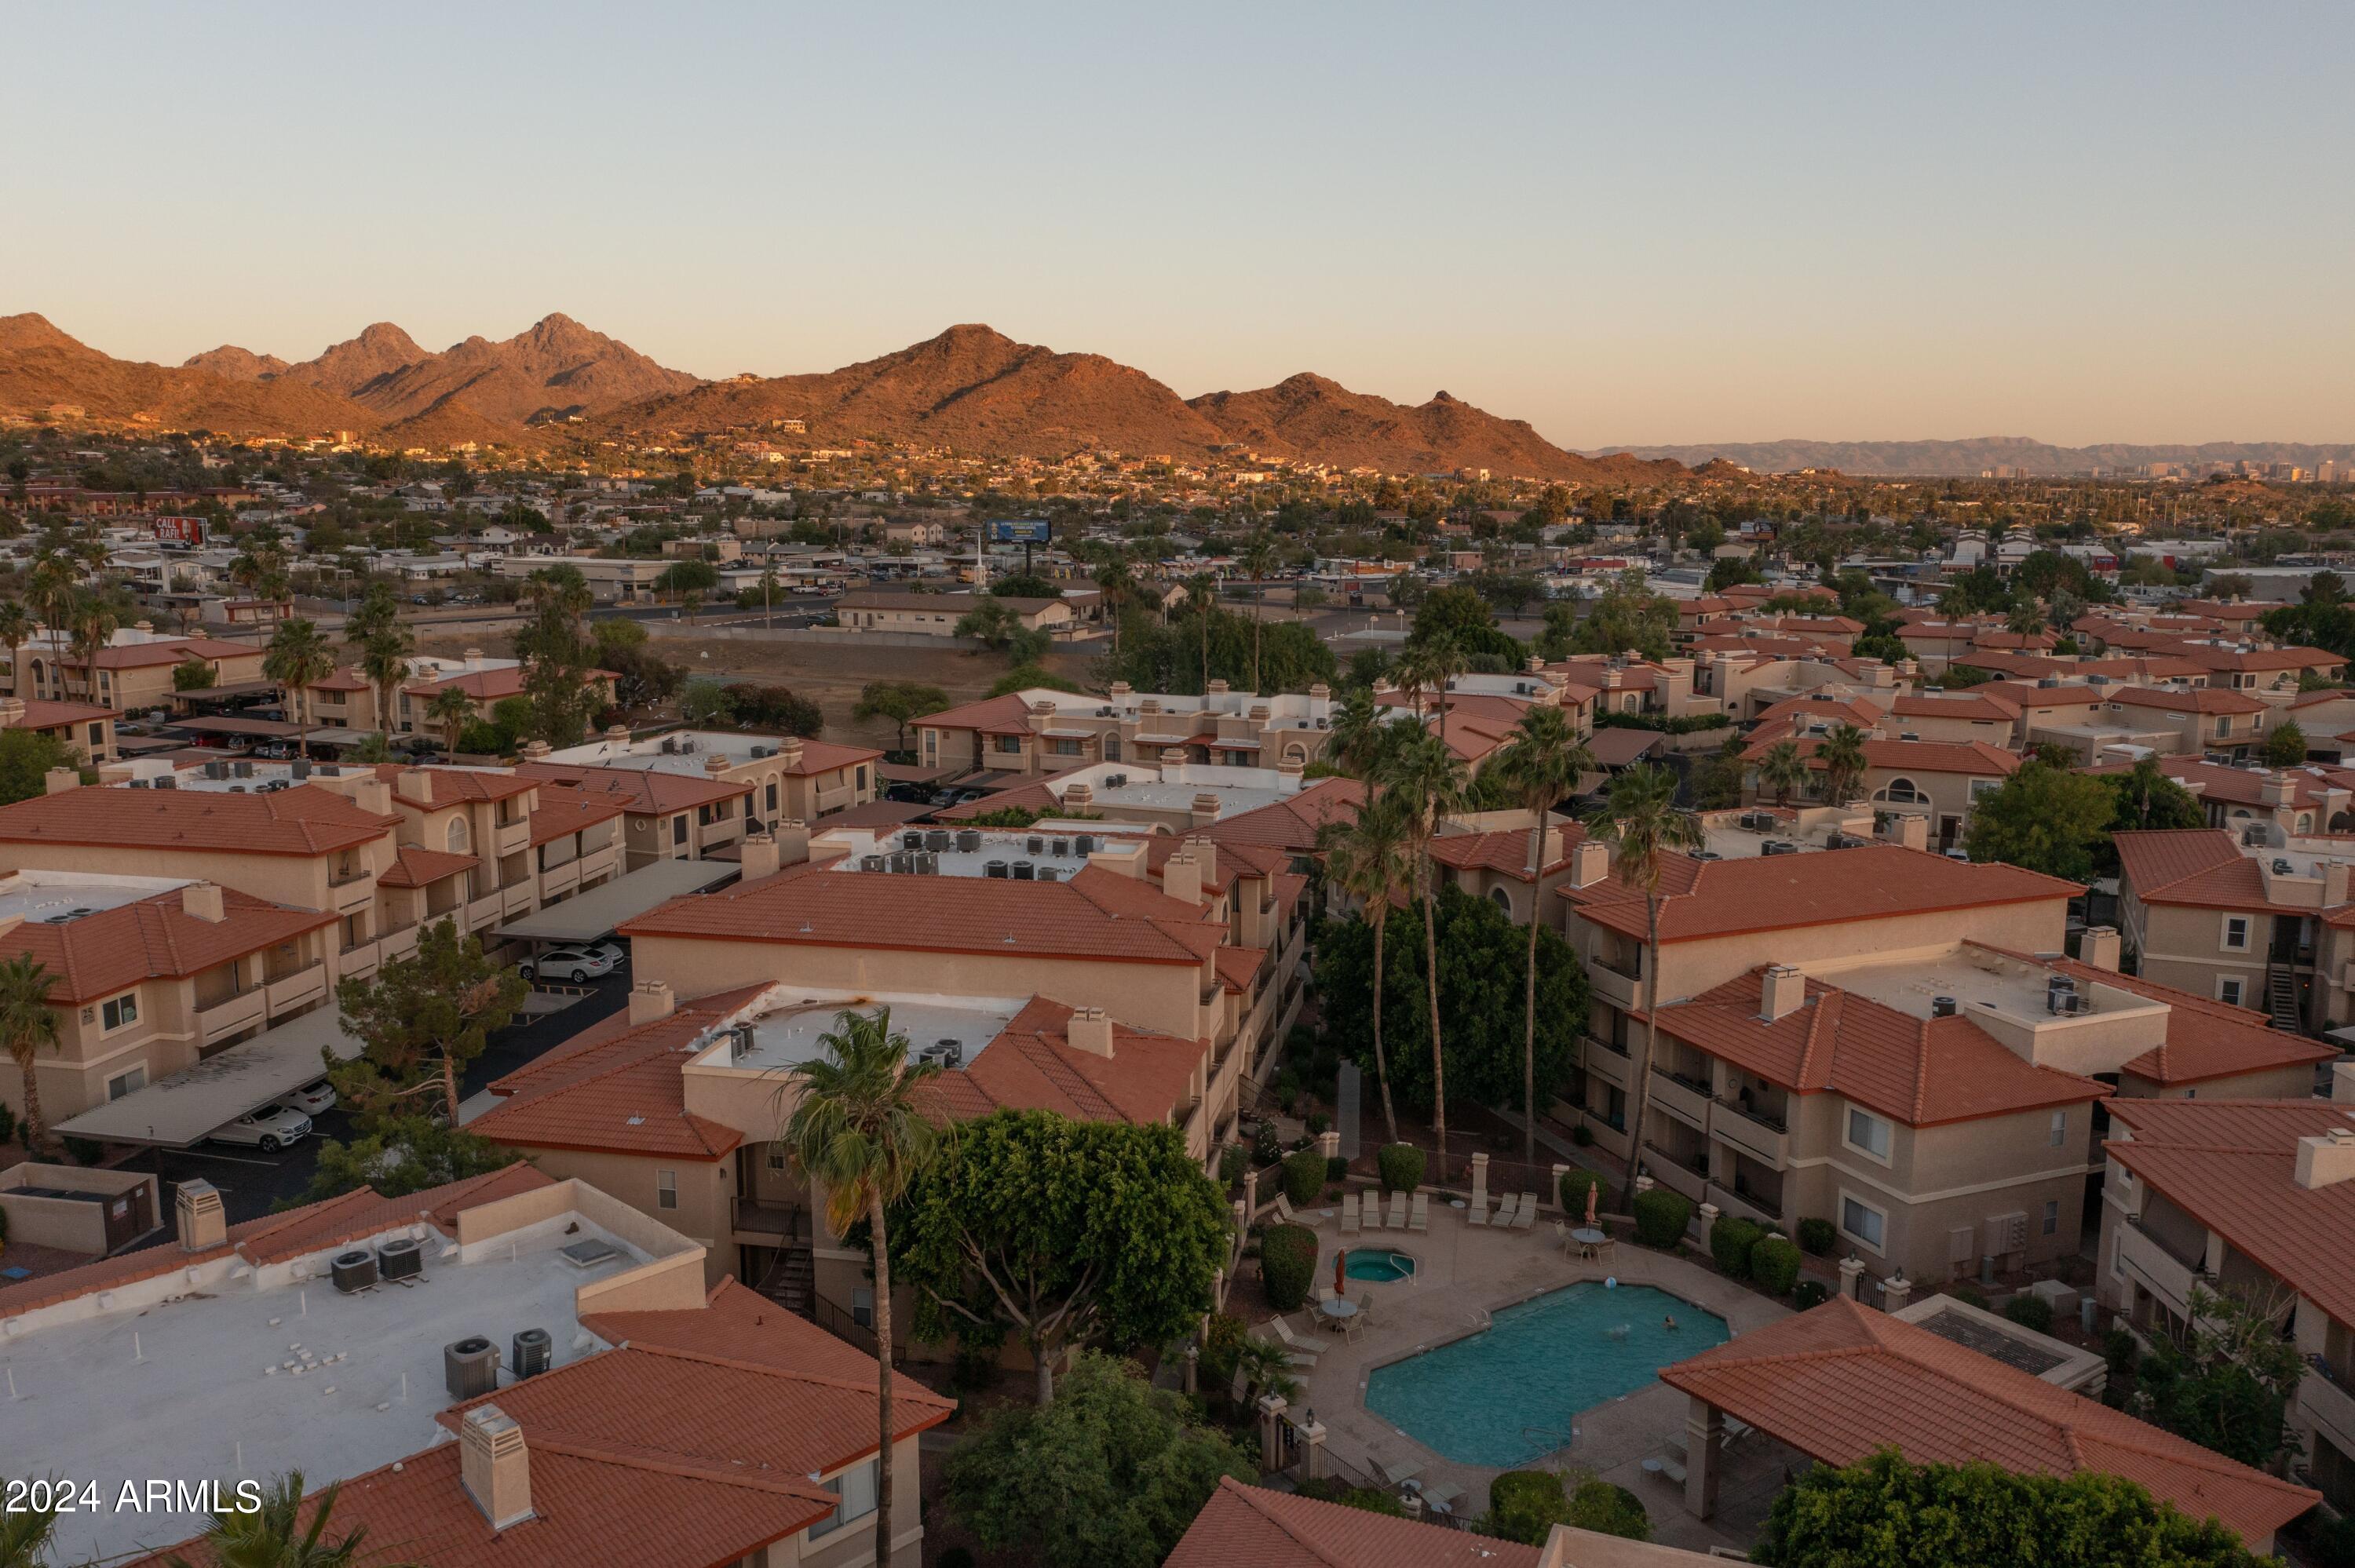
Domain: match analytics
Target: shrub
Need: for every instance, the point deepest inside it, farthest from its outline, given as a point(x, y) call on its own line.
point(1221, 1349)
point(1336, 1169)
point(1609, 1510)
point(85, 1150)
point(1304, 1177)
point(1232, 1161)
point(1774, 1265)
point(1373, 1499)
point(2330, 1542)
point(1267, 1144)
point(1581, 1135)
point(1970, 1294)
point(1287, 1090)
point(1809, 1293)
point(1316, 1122)
point(1730, 1241)
point(2120, 1352)
point(957, 1557)
point(1287, 1257)
point(1816, 1238)
point(1401, 1165)
point(2029, 1312)
point(1575, 1184)
point(1661, 1216)
point(1525, 1506)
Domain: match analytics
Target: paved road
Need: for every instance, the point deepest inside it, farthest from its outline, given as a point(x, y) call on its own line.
point(252, 1184)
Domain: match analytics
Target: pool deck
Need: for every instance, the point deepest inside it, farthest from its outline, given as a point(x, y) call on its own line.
point(1464, 1272)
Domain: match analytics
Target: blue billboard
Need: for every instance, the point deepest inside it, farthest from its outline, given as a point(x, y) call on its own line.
point(1021, 530)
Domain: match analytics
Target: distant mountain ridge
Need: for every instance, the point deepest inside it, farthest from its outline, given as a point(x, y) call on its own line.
point(1968, 458)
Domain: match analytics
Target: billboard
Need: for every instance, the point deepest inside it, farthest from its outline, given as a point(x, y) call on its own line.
point(187, 530)
point(1021, 530)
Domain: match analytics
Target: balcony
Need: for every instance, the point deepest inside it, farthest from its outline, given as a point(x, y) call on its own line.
point(231, 1013)
point(483, 912)
point(1669, 1172)
point(516, 899)
point(350, 895)
point(1609, 1063)
point(1681, 1098)
point(1753, 1133)
point(753, 1217)
point(2151, 1266)
point(512, 837)
point(1746, 1205)
point(1613, 985)
point(298, 990)
point(2325, 1404)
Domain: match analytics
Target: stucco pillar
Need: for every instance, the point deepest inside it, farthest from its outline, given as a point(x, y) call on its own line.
point(1480, 1180)
point(1643, 1185)
point(1251, 1191)
point(1271, 1407)
point(1852, 1278)
point(1328, 1144)
point(1896, 1290)
point(1553, 1194)
point(1704, 1457)
point(1709, 1217)
point(1313, 1436)
point(1192, 1376)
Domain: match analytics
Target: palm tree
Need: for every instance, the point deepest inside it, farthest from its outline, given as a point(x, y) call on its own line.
point(1371, 859)
point(384, 663)
point(298, 657)
point(1266, 1366)
point(94, 618)
point(1431, 665)
point(274, 1535)
point(54, 584)
point(2026, 619)
point(856, 1131)
point(1782, 769)
point(1641, 822)
point(27, 1531)
point(1202, 599)
point(1543, 763)
point(1842, 754)
point(1258, 556)
point(768, 592)
point(1361, 735)
point(1118, 586)
point(16, 627)
point(1431, 781)
point(450, 708)
point(28, 1023)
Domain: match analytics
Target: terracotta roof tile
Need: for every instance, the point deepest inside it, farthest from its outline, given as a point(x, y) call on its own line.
point(303, 820)
point(97, 955)
point(640, 790)
point(1250, 1527)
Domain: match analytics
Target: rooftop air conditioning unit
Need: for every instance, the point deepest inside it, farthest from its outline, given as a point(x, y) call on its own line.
point(928, 862)
point(1036, 844)
point(764, 751)
point(469, 1367)
point(1778, 846)
point(936, 839)
point(400, 1259)
point(1116, 781)
point(533, 1351)
point(2282, 867)
point(1085, 844)
point(353, 1271)
point(1050, 873)
point(139, 783)
point(245, 769)
point(1059, 848)
point(913, 840)
point(903, 863)
point(300, 768)
point(216, 769)
point(995, 868)
point(670, 746)
point(1941, 1007)
point(1025, 872)
point(870, 863)
point(968, 838)
point(168, 782)
point(942, 1054)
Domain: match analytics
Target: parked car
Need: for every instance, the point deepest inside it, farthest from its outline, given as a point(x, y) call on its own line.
point(311, 1099)
point(616, 951)
point(272, 1127)
point(574, 964)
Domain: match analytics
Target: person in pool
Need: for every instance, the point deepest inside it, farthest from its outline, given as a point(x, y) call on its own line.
point(1668, 1322)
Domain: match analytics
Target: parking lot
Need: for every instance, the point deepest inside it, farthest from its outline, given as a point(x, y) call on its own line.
point(252, 1184)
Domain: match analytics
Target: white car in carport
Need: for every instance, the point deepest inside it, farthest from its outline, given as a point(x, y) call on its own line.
point(270, 1128)
point(574, 964)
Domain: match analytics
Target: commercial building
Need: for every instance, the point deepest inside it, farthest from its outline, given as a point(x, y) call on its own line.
point(1043, 731)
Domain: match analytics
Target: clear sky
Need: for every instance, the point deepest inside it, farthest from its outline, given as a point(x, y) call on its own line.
point(1626, 223)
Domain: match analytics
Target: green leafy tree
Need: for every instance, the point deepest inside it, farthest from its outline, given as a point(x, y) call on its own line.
point(2045, 819)
point(1369, 858)
point(554, 647)
point(1109, 1475)
point(2285, 746)
point(277, 1535)
point(1024, 585)
point(421, 1019)
point(193, 676)
point(1462, 615)
point(28, 1025)
point(1628, 616)
point(2228, 1380)
point(1063, 1233)
point(1882, 1512)
point(708, 704)
point(1525, 1506)
point(992, 623)
point(1028, 678)
point(687, 577)
point(1542, 763)
point(403, 1154)
point(855, 1133)
point(25, 758)
point(2147, 800)
point(900, 700)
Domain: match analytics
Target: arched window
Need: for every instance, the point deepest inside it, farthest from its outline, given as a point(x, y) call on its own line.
point(1503, 902)
point(1296, 752)
point(1902, 792)
point(457, 835)
point(2305, 821)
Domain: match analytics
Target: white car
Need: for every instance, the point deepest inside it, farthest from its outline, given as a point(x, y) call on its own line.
point(310, 1099)
point(272, 1127)
point(619, 954)
point(574, 964)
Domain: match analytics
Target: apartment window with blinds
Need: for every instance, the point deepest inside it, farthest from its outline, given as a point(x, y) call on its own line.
point(2051, 1217)
point(1868, 1133)
point(1862, 1222)
point(122, 1010)
point(855, 1488)
point(665, 1189)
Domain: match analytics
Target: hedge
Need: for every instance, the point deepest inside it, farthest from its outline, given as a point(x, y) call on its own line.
point(1809, 1293)
point(1661, 1216)
point(1730, 1241)
point(1816, 1238)
point(1401, 1165)
point(2029, 1312)
point(1304, 1177)
point(1287, 1259)
point(1774, 1265)
point(1525, 1506)
point(1576, 1182)
point(1609, 1510)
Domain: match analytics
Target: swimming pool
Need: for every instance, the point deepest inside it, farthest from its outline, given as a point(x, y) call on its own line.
point(1378, 1264)
point(1505, 1395)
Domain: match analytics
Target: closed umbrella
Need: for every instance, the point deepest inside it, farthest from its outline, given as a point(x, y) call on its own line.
point(1340, 1272)
point(1591, 1192)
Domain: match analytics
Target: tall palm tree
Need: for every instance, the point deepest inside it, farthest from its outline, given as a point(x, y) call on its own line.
point(28, 1023)
point(1202, 600)
point(768, 584)
point(1361, 732)
point(1842, 754)
point(384, 665)
point(1543, 763)
point(856, 1129)
point(1258, 556)
point(1371, 859)
point(1432, 662)
point(297, 658)
point(1641, 823)
point(52, 588)
point(94, 618)
point(1117, 583)
point(25, 1533)
point(1431, 781)
point(1782, 769)
point(450, 708)
point(275, 1536)
point(16, 627)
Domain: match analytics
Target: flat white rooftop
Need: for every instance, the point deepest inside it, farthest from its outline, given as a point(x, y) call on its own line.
point(972, 852)
point(785, 1029)
point(1978, 979)
point(679, 751)
point(202, 1388)
point(59, 898)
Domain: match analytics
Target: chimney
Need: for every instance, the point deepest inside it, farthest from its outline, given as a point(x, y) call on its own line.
point(495, 1466)
point(1078, 797)
point(1780, 992)
point(1217, 688)
point(2278, 789)
point(792, 836)
point(758, 854)
point(2334, 884)
point(1206, 855)
point(2342, 1083)
point(1120, 689)
point(58, 780)
point(202, 901)
point(12, 712)
point(202, 1223)
point(1914, 832)
point(789, 752)
point(2098, 948)
point(716, 763)
point(474, 659)
point(535, 751)
point(1181, 876)
point(1291, 766)
point(1090, 1030)
point(144, 627)
point(2326, 1160)
point(1205, 809)
point(650, 999)
point(1320, 692)
point(1590, 862)
point(617, 734)
point(417, 784)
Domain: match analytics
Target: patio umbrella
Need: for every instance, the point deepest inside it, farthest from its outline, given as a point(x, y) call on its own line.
point(1591, 1193)
point(1340, 1272)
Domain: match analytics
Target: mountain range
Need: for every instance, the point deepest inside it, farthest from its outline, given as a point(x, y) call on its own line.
point(1968, 458)
point(970, 389)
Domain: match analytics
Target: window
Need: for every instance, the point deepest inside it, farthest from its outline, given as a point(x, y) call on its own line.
point(457, 837)
point(1066, 747)
point(2052, 1216)
point(862, 1306)
point(2228, 990)
point(2236, 933)
point(2059, 1134)
point(772, 795)
point(855, 1488)
point(678, 829)
point(122, 1010)
point(858, 778)
point(1863, 1223)
point(1868, 1133)
point(2223, 728)
point(1009, 743)
point(1901, 791)
point(665, 1189)
point(123, 1084)
point(1503, 902)
point(777, 1158)
point(97, 735)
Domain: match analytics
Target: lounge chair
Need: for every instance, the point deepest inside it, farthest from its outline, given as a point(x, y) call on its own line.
point(1350, 1214)
point(1418, 1218)
point(1398, 1211)
point(1303, 1353)
point(1370, 1210)
point(1283, 1213)
point(1528, 1214)
point(1397, 1472)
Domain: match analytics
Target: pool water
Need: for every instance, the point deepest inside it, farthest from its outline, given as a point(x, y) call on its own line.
point(1506, 1396)
point(1370, 1264)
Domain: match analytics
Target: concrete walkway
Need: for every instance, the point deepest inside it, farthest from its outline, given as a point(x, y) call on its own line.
point(1465, 1271)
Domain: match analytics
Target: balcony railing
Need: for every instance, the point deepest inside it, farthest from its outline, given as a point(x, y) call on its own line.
point(1614, 986)
point(1681, 1098)
point(2150, 1264)
point(229, 1014)
point(758, 1218)
point(1671, 1172)
point(294, 990)
point(1762, 1138)
point(2324, 1401)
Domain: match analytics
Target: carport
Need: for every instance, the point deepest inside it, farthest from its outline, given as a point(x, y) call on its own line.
point(592, 916)
point(181, 1109)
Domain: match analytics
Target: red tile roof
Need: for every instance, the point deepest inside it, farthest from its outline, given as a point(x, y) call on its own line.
point(2205, 1039)
point(1842, 1381)
point(2198, 700)
point(1250, 1527)
point(42, 714)
point(1293, 824)
point(303, 820)
point(564, 810)
point(642, 791)
point(100, 954)
point(415, 867)
point(174, 651)
point(1032, 1066)
point(619, 1090)
point(2202, 867)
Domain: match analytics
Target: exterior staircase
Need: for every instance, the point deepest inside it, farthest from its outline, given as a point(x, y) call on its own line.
point(2280, 999)
point(791, 1281)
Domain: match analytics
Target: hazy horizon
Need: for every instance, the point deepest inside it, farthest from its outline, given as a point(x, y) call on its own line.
point(2115, 223)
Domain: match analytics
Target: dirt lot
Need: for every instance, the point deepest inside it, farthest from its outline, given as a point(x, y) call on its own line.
point(828, 674)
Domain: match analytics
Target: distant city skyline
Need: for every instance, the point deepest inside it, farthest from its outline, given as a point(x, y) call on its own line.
point(2107, 223)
